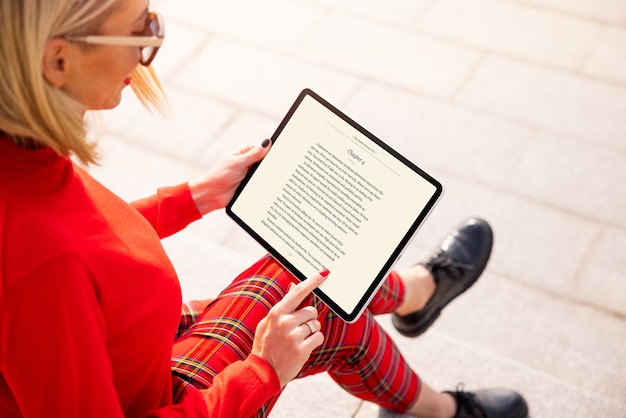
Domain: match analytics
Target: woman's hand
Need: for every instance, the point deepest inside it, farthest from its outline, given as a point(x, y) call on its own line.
point(287, 335)
point(217, 187)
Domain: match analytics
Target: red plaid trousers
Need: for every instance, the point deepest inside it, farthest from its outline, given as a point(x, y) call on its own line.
point(360, 357)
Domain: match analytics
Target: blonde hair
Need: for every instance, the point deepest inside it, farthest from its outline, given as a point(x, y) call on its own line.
point(33, 112)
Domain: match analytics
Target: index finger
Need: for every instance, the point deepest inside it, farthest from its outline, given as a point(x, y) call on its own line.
point(299, 292)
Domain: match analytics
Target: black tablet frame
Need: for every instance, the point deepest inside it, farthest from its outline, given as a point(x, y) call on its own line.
point(381, 275)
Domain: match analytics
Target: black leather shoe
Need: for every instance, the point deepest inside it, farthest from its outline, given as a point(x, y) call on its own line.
point(458, 264)
point(489, 403)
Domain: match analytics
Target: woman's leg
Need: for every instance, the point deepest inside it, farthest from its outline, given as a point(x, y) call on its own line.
point(224, 331)
point(362, 359)
point(419, 285)
point(433, 404)
point(407, 290)
point(404, 291)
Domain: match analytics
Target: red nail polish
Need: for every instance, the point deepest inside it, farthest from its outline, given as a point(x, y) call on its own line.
point(324, 273)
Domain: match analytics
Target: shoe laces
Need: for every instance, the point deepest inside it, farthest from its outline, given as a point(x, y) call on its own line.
point(467, 407)
point(443, 262)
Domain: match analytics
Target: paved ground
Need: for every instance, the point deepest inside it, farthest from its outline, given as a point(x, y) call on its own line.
point(517, 106)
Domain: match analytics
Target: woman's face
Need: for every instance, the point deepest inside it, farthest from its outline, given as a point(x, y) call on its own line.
point(97, 74)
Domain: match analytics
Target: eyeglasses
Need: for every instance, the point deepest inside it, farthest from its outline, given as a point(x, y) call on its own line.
point(149, 44)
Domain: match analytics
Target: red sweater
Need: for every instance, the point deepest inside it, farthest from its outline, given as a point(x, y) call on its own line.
point(89, 301)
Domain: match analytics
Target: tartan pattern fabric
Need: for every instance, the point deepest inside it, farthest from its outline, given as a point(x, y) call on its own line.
point(360, 357)
point(190, 312)
point(389, 296)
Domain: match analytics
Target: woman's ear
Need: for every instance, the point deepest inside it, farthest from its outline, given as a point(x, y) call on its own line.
point(55, 61)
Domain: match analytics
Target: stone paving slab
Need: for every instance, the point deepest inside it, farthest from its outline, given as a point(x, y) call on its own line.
point(577, 177)
point(602, 276)
point(611, 11)
point(549, 99)
point(388, 54)
point(608, 59)
point(514, 29)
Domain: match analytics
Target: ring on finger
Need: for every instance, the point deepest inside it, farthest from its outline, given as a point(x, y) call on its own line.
point(311, 326)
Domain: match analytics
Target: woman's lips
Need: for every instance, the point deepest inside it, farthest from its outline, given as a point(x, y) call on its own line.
point(127, 80)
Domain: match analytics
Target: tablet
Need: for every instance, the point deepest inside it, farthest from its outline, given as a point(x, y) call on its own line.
point(329, 194)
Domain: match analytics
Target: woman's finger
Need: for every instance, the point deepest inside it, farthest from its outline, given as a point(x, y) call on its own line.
point(299, 292)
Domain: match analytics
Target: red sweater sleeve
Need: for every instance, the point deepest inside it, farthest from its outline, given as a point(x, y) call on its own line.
point(242, 388)
point(238, 391)
point(169, 210)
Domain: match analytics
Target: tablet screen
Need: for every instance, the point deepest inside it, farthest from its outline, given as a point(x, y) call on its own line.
point(329, 194)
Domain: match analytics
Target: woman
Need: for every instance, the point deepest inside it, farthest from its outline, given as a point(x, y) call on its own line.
point(90, 310)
